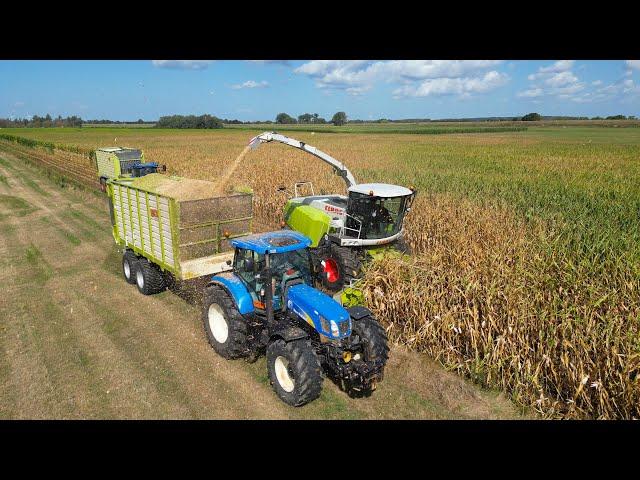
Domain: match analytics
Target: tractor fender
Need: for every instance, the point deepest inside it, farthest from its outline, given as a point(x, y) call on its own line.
point(358, 312)
point(236, 289)
point(289, 333)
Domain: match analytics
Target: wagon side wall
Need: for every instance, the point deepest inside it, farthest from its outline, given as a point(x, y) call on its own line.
point(146, 223)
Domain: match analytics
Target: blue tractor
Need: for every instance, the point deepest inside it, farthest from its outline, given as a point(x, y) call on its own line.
point(267, 304)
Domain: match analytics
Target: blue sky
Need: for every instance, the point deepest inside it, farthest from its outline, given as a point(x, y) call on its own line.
point(258, 90)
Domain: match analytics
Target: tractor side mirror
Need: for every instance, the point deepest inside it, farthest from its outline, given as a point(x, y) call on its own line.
point(282, 188)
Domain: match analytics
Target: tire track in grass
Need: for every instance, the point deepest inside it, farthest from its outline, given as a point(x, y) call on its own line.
point(131, 391)
point(213, 383)
point(40, 354)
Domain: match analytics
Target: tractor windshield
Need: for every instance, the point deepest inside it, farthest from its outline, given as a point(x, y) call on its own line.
point(377, 217)
point(288, 265)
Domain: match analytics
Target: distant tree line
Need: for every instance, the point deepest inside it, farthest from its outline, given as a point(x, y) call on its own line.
point(339, 118)
point(189, 121)
point(119, 122)
point(41, 122)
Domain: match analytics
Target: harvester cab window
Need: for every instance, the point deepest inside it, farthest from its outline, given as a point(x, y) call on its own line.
point(381, 217)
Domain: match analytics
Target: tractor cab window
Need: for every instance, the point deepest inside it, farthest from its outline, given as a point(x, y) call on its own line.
point(248, 264)
point(378, 217)
point(290, 265)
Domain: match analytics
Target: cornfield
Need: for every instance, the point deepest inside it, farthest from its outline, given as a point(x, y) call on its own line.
point(526, 272)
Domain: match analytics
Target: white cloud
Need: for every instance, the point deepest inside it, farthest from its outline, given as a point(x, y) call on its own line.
point(250, 84)
point(463, 86)
point(559, 66)
point(561, 78)
point(182, 64)
point(437, 77)
point(531, 93)
point(557, 80)
point(555, 68)
point(635, 64)
point(596, 83)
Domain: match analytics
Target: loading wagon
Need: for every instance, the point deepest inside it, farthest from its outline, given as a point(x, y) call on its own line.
point(181, 225)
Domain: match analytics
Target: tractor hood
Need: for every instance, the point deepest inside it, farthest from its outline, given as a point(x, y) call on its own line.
point(321, 311)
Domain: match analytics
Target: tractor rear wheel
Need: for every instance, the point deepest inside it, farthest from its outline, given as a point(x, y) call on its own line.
point(294, 371)
point(338, 266)
point(149, 278)
point(129, 266)
point(225, 327)
point(374, 341)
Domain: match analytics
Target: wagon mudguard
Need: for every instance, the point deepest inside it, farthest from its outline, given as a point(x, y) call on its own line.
point(241, 296)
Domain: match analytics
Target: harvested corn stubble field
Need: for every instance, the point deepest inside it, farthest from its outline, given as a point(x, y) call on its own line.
point(526, 272)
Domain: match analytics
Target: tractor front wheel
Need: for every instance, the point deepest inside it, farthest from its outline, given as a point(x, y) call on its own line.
point(374, 342)
point(338, 266)
point(294, 371)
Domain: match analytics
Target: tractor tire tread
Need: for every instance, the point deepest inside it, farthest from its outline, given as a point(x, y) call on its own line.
point(308, 372)
point(237, 346)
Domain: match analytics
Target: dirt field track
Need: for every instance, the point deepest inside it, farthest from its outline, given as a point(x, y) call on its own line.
point(76, 341)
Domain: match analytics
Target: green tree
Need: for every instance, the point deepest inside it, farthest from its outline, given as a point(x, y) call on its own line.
point(339, 118)
point(285, 118)
point(532, 117)
point(305, 118)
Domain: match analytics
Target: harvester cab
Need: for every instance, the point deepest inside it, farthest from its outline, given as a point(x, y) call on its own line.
point(267, 303)
point(344, 229)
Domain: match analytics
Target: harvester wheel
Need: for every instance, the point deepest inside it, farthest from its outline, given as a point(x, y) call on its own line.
point(338, 266)
point(374, 339)
point(225, 327)
point(294, 371)
point(129, 266)
point(149, 278)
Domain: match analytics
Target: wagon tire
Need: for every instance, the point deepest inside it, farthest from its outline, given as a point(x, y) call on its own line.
point(294, 371)
point(129, 266)
point(224, 326)
point(149, 278)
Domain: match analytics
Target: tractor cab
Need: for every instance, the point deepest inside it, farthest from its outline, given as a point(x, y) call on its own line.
point(123, 162)
point(282, 256)
point(142, 169)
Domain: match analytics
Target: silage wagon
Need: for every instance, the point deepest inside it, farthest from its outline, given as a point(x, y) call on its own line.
point(169, 225)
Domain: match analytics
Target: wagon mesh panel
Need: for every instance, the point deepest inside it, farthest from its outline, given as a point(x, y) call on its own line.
point(203, 224)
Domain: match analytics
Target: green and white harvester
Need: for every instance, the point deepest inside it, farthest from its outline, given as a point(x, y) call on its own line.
point(345, 230)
